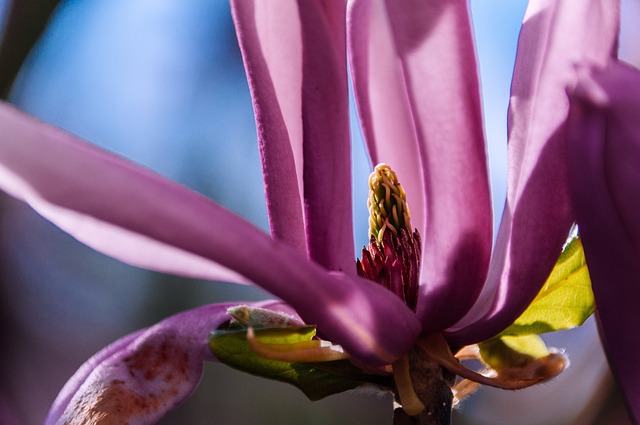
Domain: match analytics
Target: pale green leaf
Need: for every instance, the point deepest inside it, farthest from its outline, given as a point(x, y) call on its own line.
point(565, 300)
point(316, 380)
point(512, 351)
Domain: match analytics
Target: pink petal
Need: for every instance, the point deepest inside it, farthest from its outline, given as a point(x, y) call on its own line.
point(101, 200)
point(382, 100)
point(275, 89)
point(191, 330)
point(295, 59)
point(70, 389)
point(537, 215)
point(143, 219)
point(604, 138)
point(418, 95)
point(143, 376)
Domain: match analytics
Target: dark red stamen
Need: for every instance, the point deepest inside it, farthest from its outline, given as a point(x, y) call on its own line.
point(395, 264)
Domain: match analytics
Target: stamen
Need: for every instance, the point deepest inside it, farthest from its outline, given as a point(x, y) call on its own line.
point(394, 262)
point(411, 404)
point(300, 352)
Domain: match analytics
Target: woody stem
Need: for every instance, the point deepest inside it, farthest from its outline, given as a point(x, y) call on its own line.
point(432, 385)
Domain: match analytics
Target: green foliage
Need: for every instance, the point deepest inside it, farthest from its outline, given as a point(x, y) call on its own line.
point(512, 351)
point(315, 380)
point(565, 300)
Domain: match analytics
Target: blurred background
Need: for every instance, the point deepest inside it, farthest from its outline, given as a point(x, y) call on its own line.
point(161, 82)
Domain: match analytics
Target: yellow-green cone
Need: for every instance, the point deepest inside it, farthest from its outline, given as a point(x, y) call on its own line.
point(388, 209)
point(392, 258)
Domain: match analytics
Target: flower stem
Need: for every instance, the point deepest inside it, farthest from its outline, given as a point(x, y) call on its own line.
point(432, 384)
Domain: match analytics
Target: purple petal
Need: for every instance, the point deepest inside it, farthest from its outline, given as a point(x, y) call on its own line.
point(419, 99)
point(537, 215)
point(382, 101)
point(275, 89)
point(604, 139)
point(61, 403)
point(191, 328)
point(101, 200)
point(295, 59)
point(141, 377)
point(141, 218)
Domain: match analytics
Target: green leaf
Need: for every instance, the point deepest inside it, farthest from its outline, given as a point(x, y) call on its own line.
point(512, 351)
point(565, 300)
point(315, 380)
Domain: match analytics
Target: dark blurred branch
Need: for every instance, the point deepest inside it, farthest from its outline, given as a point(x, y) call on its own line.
point(26, 21)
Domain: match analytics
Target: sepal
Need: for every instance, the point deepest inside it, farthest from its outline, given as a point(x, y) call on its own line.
point(275, 333)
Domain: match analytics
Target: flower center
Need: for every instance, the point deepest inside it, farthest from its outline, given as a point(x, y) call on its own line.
point(392, 258)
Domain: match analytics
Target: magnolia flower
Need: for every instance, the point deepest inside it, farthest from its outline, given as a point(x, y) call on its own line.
point(414, 75)
point(604, 135)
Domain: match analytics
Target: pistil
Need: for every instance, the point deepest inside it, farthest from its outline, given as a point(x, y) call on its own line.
point(393, 256)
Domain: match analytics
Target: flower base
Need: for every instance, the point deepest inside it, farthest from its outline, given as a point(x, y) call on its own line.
point(432, 384)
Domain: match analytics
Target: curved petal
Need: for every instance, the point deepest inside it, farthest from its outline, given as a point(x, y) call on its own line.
point(382, 100)
point(604, 138)
point(295, 59)
point(537, 215)
point(61, 403)
point(276, 104)
point(415, 77)
point(75, 186)
point(192, 329)
point(143, 376)
point(137, 216)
